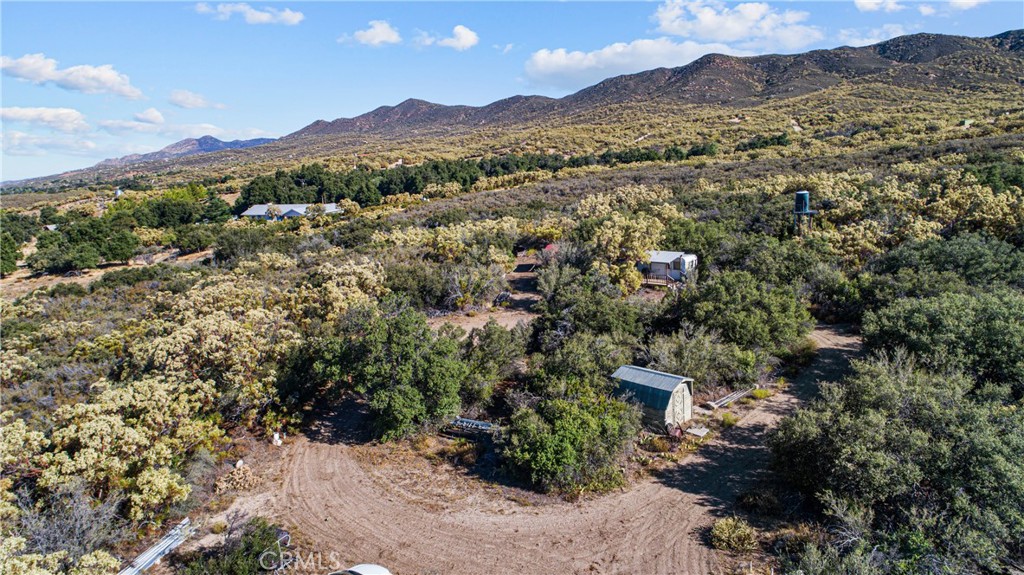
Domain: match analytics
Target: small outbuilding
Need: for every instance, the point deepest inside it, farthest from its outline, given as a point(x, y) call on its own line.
point(665, 267)
point(666, 398)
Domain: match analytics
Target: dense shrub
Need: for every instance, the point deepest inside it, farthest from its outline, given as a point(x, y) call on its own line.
point(705, 239)
point(924, 470)
point(490, 353)
point(982, 334)
point(421, 282)
point(747, 312)
point(131, 276)
point(192, 238)
point(247, 550)
point(233, 244)
point(571, 446)
point(733, 534)
point(760, 141)
point(575, 302)
point(977, 259)
point(700, 354)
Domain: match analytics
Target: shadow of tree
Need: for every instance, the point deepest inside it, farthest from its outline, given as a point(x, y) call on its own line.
point(738, 459)
point(347, 422)
point(721, 470)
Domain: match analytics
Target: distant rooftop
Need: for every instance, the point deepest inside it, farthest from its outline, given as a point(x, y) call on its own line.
point(286, 210)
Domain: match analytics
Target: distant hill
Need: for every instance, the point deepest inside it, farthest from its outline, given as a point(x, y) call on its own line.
point(187, 147)
point(931, 68)
point(907, 61)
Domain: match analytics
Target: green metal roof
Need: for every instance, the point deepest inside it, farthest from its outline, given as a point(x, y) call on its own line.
point(649, 387)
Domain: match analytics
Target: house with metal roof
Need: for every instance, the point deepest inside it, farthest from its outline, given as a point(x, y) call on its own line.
point(668, 267)
point(665, 398)
point(263, 211)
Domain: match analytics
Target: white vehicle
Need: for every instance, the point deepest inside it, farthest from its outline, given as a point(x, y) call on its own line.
point(363, 569)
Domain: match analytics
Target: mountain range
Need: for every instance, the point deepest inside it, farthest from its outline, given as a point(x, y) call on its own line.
point(717, 79)
point(934, 65)
point(186, 147)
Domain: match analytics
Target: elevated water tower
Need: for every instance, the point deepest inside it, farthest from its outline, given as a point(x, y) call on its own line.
point(803, 215)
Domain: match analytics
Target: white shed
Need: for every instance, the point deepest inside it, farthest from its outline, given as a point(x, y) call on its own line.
point(669, 266)
point(666, 398)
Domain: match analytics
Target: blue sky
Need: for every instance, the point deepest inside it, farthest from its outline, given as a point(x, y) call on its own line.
point(85, 81)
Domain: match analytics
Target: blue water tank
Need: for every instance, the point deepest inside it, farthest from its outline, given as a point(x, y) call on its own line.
point(803, 202)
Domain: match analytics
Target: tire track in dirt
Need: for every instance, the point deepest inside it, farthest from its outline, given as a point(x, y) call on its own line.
point(656, 526)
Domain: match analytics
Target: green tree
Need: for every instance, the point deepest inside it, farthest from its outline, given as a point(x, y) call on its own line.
point(21, 227)
point(81, 257)
point(192, 238)
point(412, 376)
point(748, 312)
point(490, 353)
point(10, 253)
point(48, 215)
point(56, 255)
point(120, 246)
point(216, 210)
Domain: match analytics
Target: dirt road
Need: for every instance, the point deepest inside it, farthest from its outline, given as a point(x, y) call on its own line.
point(338, 506)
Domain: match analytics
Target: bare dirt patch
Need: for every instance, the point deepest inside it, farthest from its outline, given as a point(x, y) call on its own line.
point(24, 281)
point(340, 495)
point(522, 282)
point(507, 318)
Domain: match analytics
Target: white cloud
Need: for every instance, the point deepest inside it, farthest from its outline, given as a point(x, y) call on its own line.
point(751, 24)
point(504, 49)
point(178, 131)
point(965, 4)
point(39, 69)
point(191, 100)
point(876, 5)
point(16, 143)
point(462, 38)
point(61, 119)
point(858, 37)
point(378, 34)
point(150, 116)
point(252, 15)
point(948, 7)
point(564, 69)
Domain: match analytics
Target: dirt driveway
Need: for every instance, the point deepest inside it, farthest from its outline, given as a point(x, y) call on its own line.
point(343, 512)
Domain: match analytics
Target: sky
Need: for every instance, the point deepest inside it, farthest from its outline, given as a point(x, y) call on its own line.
point(86, 81)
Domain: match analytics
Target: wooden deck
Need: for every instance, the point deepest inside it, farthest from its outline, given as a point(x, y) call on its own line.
point(658, 280)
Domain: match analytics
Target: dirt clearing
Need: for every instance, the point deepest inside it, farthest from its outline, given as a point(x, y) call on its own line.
point(24, 281)
point(343, 509)
point(522, 281)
